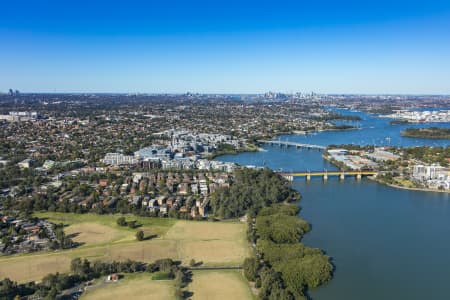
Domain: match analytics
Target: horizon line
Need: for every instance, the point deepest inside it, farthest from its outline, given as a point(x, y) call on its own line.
point(220, 93)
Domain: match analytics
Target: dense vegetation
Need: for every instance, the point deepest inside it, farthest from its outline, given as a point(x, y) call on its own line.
point(343, 127)
point(336, 116)
point(428, 154)
point(398, 122)
point(282, 267)
point(281, 228)
point(251, 191)
point(351, 147)
point(427, 133)
point(293, 267)
point(224, 149)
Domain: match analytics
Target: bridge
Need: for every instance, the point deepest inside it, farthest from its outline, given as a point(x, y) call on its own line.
point(288, 144)
point(325, 174)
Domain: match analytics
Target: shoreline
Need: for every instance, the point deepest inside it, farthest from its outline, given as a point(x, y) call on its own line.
point(258, 149)
point(424, 137)
point(390, 184)
point(234, 152)
point(337, 129)
point(405, 187)
point(305, 132)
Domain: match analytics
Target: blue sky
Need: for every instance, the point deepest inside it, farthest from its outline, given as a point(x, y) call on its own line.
point(226, 46)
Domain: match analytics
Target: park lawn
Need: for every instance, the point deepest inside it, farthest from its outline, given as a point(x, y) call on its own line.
point(219, 284)
point(101, 239)
point(94, 233)
point(34, 266)
point(213, 243)
point(91, 229)
point(133, 286)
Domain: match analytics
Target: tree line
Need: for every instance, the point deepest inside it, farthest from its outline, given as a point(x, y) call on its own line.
point(281, 267)
point(427, 133)
point(82, 270)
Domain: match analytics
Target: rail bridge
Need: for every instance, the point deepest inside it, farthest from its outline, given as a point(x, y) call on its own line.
point(325, 174)
point(288, 144)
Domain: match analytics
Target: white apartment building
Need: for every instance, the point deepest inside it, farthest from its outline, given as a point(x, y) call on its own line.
point(434, 171)
point(117, 159)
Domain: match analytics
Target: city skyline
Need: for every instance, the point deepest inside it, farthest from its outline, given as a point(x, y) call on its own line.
point(227, 47)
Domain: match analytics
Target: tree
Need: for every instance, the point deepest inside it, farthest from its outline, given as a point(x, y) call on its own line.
point(51, 294)
point(140, 235)
point(80, 267)
point(132, 224)
point(121, 221)
point(250, 267)
point(251, 190)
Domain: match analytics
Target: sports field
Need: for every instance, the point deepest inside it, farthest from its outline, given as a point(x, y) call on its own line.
point(213, 243)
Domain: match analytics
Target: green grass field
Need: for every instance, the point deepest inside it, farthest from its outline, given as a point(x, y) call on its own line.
point(133, 286)
point(218, 285)
point(213, 243)
point(151, 226)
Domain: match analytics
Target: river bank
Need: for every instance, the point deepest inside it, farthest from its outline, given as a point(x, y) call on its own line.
point(377, 235)
point(436, 133)
point(407, 188)
point(377, 180)
point(233, 152)
point(311, 132)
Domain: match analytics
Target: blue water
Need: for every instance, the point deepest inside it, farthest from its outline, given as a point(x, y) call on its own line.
point(386, 243)
point(374, 131)
point(282, 159)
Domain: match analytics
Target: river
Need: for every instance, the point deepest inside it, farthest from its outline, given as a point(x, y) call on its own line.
point(386, 243)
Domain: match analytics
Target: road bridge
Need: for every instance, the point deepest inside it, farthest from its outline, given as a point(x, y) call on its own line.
point(288, 144)
point(325, 174)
